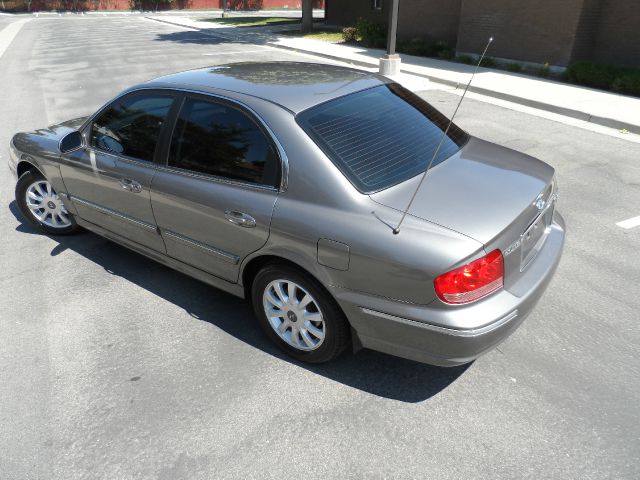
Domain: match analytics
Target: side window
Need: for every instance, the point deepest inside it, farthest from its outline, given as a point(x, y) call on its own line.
point(131, 126)
point(219, 140)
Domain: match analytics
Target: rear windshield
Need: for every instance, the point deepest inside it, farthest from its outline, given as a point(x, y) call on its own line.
point(381, 136)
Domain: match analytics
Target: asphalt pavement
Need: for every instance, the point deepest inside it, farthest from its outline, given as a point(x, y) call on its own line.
point(115, 367)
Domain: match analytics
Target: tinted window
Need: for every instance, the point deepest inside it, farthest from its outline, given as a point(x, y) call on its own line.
point(132, 126)
point(382, 136)
point(220, 140)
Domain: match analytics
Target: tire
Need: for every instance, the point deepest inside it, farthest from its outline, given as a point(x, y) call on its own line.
point(319, 328)
point(52, 217)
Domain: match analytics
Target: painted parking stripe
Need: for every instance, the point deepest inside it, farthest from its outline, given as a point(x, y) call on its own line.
point(629, 223)
point(8, 33)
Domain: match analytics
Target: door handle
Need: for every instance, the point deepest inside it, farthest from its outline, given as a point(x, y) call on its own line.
point(240, 218)
point(130, 185)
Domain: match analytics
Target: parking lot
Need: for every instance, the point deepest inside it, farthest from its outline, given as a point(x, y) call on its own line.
point(115, 367)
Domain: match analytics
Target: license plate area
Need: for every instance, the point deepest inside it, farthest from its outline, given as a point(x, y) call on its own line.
point(534, 236)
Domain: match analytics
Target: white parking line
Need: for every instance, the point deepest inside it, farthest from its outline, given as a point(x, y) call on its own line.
point(8, 33)
point(629, 223)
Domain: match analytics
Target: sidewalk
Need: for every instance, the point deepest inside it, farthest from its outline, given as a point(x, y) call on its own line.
point(590, 105)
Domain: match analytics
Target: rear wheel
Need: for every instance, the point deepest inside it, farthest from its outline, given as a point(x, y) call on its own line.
point(41, 206)
point(298, 314)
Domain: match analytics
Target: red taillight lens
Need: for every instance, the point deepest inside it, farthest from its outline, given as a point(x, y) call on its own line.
point(473, 281)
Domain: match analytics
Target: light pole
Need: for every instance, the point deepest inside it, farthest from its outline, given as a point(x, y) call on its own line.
point(390, 63)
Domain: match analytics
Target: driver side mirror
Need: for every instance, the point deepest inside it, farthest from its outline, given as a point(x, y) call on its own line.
point(71, 141)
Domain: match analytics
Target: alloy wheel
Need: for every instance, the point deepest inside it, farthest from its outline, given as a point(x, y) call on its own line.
point(294, 315)
point(46, 206)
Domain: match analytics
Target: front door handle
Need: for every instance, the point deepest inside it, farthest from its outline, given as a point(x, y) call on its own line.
point(130, 185)
point(240, 218)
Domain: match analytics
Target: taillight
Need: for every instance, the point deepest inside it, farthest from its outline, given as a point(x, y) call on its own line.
point(472, 281)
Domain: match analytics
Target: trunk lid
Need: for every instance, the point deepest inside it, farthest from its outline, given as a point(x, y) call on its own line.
point(484, 191)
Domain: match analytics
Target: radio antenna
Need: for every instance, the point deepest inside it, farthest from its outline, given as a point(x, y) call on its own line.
point(444, 134)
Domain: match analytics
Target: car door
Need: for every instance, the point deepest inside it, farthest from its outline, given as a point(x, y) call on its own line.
point(108, 181)
point(214, 198)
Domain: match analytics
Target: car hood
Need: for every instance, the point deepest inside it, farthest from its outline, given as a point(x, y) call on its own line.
point(45, 140)
point(478, 192)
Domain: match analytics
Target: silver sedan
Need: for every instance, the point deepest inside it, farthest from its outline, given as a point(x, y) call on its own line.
point(286, 183)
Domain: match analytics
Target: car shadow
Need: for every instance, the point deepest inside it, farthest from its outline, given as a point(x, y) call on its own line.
point(372, 372)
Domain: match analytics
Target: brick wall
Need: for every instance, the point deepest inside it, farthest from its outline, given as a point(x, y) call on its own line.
point(347, 12)
point(618, 34)
point(535, 30)
point(432, 19)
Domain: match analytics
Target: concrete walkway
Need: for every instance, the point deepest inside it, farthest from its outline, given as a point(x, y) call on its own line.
point(602, 108)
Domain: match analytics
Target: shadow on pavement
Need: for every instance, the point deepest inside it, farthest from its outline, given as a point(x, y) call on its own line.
point(369, 371)
point(269, 34)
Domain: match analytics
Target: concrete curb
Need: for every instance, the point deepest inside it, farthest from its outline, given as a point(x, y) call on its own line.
point(548, 107)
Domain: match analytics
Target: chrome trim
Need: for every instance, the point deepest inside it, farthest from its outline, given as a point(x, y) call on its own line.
point(444, 330)
point(228, 257)
point(284, 160)
point(115, 213)
point(205, 176)
point(122, 158)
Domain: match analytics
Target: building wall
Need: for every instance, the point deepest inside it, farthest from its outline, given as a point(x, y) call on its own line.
point(618, 33)
point(535, 30)
point(433, 19)
point(347, 12)
point(586, 30)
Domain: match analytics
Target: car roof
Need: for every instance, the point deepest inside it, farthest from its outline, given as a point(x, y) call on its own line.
point(295, 86)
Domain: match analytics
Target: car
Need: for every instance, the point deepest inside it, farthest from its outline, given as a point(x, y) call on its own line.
point(285, 183)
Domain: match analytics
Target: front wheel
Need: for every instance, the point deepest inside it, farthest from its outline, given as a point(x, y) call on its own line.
point(41, 206)
point(298, 314)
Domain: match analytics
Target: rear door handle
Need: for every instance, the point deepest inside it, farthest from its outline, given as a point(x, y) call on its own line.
point(130, 185)
point(239, 218)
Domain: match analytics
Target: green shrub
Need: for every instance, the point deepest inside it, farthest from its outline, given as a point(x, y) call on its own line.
point(513, 67)
point(446, 54)
point(417, 46)
point(608, 77)
point(592, 74)
point(488, 62)
point(371, 34)
point(627, 83)
point(350, 34)
point(425, 48)
point(544, 70)
point(468, 59)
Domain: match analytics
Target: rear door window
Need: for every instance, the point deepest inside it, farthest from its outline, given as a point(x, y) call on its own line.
point(381, 136)
point(216, 139)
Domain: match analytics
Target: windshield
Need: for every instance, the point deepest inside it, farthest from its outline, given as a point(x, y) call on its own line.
point(381, 136)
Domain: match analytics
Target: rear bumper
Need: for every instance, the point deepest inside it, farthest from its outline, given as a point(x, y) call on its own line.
point(427, 333)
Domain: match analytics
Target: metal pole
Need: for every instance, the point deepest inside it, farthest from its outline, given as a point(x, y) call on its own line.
point(390, 63)
point(224, 7)
point(393, 26)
